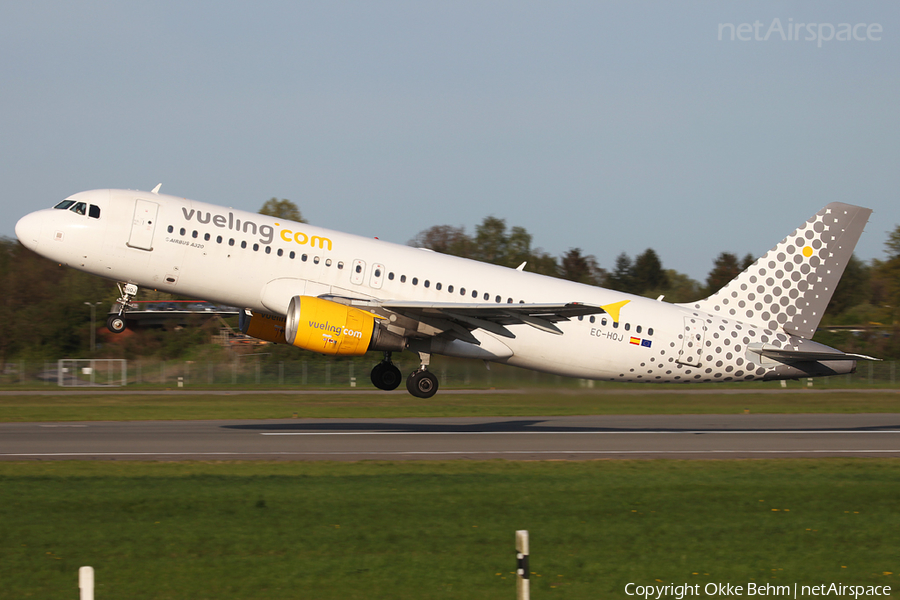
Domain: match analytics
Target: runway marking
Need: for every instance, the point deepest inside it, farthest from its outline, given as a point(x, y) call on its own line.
point(717, 431)
point(450, 452)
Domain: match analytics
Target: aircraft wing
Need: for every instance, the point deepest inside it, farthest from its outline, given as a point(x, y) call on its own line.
point(461, 318)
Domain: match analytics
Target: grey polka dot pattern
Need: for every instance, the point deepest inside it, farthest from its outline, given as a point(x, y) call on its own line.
point(789, 288)
point(776, 303)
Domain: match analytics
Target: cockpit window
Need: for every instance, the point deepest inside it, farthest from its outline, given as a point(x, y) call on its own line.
point(64, 204)
point(79, 208)
point(94, 211)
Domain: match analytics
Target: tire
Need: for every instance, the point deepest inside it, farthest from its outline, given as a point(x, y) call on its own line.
point(115, 324)
point(422, 384)
point(386, 376)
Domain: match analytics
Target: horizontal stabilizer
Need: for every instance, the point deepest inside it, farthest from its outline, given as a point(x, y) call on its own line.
point(792, 356)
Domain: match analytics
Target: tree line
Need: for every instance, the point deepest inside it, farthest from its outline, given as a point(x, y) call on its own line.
point(43, 312)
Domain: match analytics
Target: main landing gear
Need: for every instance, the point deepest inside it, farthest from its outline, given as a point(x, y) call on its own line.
point(116, 323)
point(386, 375)
point(421, 383)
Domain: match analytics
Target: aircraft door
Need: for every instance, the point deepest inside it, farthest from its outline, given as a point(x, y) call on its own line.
point(143, 224)
point(692, 338)
point(358, 272)
point(377, 277)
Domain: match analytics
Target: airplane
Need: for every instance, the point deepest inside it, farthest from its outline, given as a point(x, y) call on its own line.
point(345, 295)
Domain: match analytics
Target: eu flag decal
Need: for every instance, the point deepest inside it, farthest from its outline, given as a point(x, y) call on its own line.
point(645, 343)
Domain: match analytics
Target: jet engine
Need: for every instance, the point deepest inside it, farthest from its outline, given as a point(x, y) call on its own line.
point(331, 328)
point(262, 326)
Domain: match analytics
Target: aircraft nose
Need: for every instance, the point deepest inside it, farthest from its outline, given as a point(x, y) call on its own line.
point(28, 230)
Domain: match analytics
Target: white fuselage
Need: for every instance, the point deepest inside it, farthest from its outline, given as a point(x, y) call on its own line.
point(260, 262)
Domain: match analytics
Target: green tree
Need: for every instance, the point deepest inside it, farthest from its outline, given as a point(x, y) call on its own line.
point(282, 209)
point(725, 268)
point(853, 290)
point(576, 266)
point(445, 239)
point(622, 276)
point(648, 273)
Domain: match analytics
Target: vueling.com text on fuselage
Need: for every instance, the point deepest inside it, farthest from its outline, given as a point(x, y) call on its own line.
point(266, 232)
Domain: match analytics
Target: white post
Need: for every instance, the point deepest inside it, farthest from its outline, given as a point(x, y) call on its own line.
point(86, 582)
point(523, 581)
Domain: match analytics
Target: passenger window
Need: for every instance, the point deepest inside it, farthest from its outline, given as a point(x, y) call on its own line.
point(171, 229)
point(403, 279)
point(292, 254)
point(268, 249)
point(650, 331)
point(497, 299)
point(316, 259)
point(280, 252)
point(94, 211)
point(182, 231)
point(243, 244)
point(593, 319)
point(328, 262)
point(449, 289)
point(218, 239)
point(415, 281)
point(206, 237)
point(255, 247)
point(231, 242)
point(340, 265)
point(627, 326)
point(638, 329)
point(194, 234)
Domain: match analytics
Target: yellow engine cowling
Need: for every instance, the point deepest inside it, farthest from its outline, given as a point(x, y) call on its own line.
point(331, 328)
point(262, 326)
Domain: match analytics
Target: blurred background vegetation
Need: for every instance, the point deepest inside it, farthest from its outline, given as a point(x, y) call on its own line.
point(44, 316)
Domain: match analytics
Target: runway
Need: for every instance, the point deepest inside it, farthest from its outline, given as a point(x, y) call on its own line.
point(518, 438)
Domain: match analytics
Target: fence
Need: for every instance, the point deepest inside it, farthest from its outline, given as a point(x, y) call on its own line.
point(253, 370)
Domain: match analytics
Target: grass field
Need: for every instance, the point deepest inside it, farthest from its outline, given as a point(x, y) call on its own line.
point(250, 405)
point(442, 530)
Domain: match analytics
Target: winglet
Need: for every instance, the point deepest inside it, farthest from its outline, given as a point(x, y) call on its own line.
point(156, 189)
point(613, 309)
point(522, 266)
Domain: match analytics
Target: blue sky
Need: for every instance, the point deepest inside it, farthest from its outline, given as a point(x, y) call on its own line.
point(612, 127)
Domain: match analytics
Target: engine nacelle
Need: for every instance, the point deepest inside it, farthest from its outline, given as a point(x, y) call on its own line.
point(262, 326)
point(331, 328)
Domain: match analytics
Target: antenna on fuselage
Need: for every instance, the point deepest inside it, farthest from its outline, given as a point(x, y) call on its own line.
point(156, 189)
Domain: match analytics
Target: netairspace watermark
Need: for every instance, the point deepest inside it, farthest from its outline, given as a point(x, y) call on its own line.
point(687, 590)
point(794, 32)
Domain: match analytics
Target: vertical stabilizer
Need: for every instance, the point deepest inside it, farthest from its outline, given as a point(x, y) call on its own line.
point(790, 286)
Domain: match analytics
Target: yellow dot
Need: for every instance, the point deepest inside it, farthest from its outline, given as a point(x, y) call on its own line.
point(807, 251)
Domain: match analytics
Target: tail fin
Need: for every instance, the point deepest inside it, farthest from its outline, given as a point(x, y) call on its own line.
point(789, 288)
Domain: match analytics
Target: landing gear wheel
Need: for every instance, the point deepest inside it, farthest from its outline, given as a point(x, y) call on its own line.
point(422, 384)
point(386, 376)
point(116, 324)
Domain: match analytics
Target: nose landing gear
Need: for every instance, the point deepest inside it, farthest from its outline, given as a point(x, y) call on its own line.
point(116, 323)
